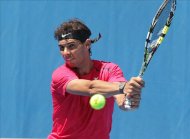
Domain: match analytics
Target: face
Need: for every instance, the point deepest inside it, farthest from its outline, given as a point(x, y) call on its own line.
point(74, 52)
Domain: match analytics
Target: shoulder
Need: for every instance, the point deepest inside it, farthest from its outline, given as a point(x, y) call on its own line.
point(105, 64)
point(61, 72)
point(109, 71)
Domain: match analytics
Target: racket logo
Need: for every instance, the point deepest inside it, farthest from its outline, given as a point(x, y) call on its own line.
point(160, 40)
point(165, 29)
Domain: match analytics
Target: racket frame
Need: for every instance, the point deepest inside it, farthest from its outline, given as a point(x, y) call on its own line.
point(148, 55)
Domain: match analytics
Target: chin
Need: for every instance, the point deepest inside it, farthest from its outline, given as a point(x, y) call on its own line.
point(70, 65)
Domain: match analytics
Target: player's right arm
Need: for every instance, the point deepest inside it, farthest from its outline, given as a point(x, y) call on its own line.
point(88, 87)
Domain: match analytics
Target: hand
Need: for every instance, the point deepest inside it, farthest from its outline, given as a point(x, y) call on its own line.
point(133, 92)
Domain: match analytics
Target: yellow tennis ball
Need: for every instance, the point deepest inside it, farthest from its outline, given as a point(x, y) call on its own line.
point(97, 101)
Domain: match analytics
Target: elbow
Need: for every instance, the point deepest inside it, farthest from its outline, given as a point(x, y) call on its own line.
point(92, 88)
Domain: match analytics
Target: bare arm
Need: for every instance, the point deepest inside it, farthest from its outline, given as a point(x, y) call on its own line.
point(88, 87)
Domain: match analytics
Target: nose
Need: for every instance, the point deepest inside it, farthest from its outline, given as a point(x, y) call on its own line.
point(66, 51)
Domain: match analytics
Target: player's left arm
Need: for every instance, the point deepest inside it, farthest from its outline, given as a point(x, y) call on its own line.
point(120, 100)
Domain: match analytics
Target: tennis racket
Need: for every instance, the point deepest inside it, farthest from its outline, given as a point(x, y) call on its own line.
point(158, 30)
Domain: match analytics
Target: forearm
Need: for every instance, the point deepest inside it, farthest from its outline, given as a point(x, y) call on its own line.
point(88, 87)
point(106, 88)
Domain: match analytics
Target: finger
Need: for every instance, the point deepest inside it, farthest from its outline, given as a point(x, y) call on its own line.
point(139, 80)
point(132, 94)
point(135, 85)
point(135, 96)
point(135, 104)
point(134, 101)
point(131, 104)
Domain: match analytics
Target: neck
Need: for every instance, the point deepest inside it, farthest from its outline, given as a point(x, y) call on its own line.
point(85, 68)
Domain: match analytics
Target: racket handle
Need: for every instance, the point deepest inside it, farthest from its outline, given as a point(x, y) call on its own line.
point(128, 103)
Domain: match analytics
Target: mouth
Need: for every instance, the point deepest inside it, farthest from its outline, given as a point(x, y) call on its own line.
point(68, 59)
point(70, 62)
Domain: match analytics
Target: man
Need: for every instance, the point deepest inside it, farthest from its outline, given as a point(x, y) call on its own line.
point(79, 78)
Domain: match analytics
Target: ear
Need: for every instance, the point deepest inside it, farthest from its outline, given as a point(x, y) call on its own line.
point(88, 43)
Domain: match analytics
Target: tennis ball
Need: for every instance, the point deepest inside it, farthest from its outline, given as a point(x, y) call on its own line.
point(97, 101)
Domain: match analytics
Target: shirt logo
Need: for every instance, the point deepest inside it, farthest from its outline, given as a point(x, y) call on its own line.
point(95, 78)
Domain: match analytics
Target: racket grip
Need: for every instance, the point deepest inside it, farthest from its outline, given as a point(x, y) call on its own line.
point(128, 103)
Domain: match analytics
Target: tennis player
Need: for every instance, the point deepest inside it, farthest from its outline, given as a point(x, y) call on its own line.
point(79, 78)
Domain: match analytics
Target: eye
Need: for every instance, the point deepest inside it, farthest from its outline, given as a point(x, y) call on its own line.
point(71, 46)
point(61, 47)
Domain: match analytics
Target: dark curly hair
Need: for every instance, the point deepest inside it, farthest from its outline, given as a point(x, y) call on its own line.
point(71, 26)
